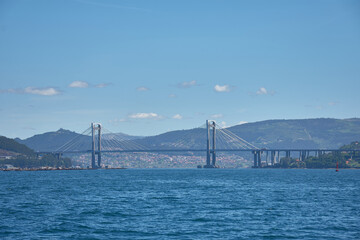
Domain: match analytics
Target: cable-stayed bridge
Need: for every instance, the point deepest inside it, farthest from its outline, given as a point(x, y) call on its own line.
point(209, 138)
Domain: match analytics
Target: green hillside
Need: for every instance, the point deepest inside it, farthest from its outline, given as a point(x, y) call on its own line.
point(11, 145)
point(305, 133)
point(341, 159)
point(51, 141)
point(19, 155)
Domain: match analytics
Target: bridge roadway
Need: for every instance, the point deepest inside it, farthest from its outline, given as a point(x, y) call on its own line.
point(204, 150)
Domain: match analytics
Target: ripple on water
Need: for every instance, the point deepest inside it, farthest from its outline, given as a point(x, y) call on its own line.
point(180, 204)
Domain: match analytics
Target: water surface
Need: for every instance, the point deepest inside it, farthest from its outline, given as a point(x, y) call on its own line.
point(180, 204)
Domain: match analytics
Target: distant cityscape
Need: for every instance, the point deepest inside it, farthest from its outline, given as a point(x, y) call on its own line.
point(159, 160)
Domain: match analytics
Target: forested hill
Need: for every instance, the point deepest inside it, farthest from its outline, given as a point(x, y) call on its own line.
point(20, 156)
point(10, 146)
point(304, 133)
point(51, 141)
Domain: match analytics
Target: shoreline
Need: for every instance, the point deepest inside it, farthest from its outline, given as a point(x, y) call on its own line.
point(122, 168)
point(54, 169)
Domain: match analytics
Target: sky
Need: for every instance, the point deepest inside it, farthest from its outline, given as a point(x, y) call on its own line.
point(145, 67)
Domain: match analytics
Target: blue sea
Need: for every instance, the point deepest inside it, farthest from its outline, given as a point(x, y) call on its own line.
point(180, 204)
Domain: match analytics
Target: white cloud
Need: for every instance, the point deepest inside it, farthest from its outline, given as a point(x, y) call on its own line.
point(217, 116)
point(102, 85)
point(224, 88)
point(41, 91)
point(142, 89)
point(172, 96)
point(177, 116)
point(79, 84)
point(50, 91)
point(262, 91)
point(187, 84)
point(145, 116)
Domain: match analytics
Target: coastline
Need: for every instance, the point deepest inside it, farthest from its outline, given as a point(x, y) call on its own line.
point(55, 169)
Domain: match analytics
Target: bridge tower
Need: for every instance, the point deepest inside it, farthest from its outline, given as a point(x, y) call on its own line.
point(210, 150)
point(95, 127)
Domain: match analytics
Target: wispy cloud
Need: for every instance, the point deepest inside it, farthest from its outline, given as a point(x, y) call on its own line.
point(42, 91)
point(217, 115)
point(49, 91)
point(172, 96)
point(145, 116)
point(83, 84)
point(102, 85)
point(142, 89)
point(261, 91)
point(187, 84)
point(177, 116)
point(223, 88)
point(117, 121)
point(79, 84)
point(264, 91)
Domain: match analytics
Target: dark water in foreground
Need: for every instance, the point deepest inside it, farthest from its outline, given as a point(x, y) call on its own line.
point(180, 204)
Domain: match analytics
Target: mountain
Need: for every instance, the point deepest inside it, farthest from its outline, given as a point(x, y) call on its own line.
point(304, 133)
point(18, 155)
point(9, 147)
point(51, 141)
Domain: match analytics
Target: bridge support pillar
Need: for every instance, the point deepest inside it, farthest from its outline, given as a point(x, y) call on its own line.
point(272, 157)
point(94, 127)
point(213, 147)
point(287, 153)
point(210, 151)
point(259, 159)
point(303, 155)
point(255, 159)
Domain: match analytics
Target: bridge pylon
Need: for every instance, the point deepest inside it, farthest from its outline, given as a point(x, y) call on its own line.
point(95, 127)
point(210, 138)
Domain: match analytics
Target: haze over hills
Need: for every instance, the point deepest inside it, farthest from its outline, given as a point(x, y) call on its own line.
point(323, 133)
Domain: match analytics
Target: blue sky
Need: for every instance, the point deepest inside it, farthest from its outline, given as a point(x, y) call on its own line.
point(147, 67)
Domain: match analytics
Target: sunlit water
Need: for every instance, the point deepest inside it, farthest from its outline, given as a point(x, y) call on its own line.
point(180, 204)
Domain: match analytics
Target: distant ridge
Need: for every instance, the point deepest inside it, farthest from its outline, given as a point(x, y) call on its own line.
point(51, 141)
point(300, 133)
point(296, 133)
point(9, 147)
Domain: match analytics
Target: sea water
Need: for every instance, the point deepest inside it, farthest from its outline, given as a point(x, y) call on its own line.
point(180, 204)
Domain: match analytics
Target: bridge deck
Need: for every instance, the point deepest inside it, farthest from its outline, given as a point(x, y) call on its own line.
point(203, 150)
